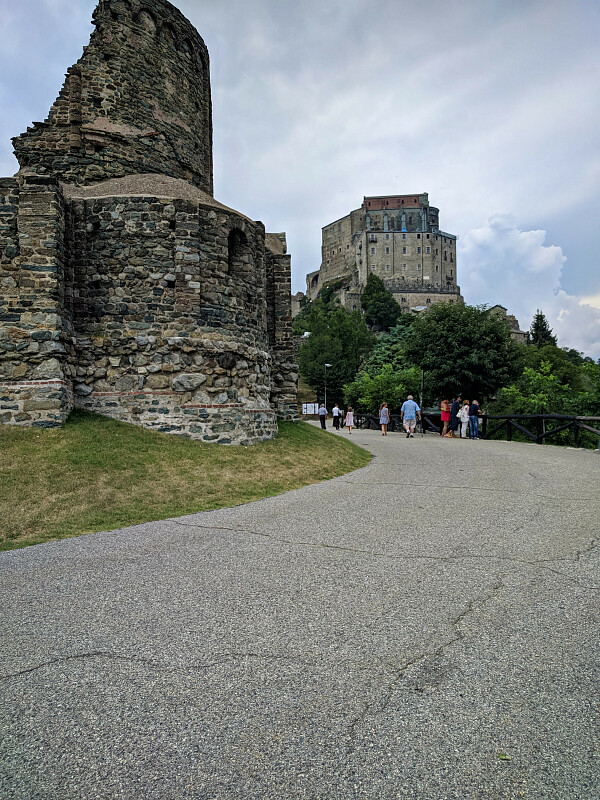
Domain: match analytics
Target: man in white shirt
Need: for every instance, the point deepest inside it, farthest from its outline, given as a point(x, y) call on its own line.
point(335, 413)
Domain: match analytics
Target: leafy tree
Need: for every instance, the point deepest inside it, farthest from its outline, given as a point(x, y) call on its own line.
point(389, 348)
point(462, 349)
point(338, 338)
point(538, 391)
point(540, 333)
point(381, 310)
point(368, 392)
point(562, 364)
point(589, 399)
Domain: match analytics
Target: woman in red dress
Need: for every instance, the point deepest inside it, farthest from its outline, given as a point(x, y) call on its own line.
point(445, 416)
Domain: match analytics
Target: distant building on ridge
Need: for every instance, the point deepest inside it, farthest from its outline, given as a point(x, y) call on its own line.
point(396, 237)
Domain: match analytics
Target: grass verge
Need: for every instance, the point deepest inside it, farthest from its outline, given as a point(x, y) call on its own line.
point(97, 474)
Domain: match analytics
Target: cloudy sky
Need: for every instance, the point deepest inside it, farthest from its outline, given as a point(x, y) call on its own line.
point(491, 106)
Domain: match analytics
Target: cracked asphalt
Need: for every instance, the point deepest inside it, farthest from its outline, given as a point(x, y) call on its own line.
point(426, 627)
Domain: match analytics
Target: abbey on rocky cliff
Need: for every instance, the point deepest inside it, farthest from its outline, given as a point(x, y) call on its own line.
point(126, 288)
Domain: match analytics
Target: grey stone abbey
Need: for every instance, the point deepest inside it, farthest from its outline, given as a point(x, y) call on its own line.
point(396, 237)
point(126, 288)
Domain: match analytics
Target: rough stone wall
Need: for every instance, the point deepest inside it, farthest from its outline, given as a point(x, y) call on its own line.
point(137, 101)
point(170, 317)
point(36, 346)
point(279, 318)
point(409, 300)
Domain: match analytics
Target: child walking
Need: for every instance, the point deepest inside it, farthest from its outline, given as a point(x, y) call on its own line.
point(349, 421)
point(384, 418)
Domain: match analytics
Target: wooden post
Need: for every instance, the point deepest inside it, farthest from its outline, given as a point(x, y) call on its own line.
point(539, 429)
point(508, 430)
point(576, 433)
point(484, 427)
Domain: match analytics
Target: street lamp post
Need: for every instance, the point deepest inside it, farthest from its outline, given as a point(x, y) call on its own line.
point(325, 403)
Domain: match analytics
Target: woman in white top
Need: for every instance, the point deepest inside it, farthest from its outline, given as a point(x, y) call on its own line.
point(463, 416)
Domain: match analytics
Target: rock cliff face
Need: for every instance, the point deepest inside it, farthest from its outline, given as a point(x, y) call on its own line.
point(126, 288)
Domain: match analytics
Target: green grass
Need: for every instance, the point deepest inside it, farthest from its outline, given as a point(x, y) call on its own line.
point(97, 474)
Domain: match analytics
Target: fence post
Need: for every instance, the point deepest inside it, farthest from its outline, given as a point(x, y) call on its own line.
point(539, 439)
point(508, 430)
point(576, 433)
point(484, 427)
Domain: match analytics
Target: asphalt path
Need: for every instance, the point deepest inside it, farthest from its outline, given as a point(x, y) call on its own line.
point(425, 627)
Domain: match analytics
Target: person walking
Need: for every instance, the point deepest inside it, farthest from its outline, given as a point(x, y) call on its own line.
point(409, 413)
point(384, 418)
point(322, 415)
point(454, 421)
point(474, 414)
point(349, 419)
point(336, 413)
point(463, 416)
point(445, 409)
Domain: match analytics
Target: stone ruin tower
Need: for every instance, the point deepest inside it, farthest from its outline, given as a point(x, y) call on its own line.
point(126, 288)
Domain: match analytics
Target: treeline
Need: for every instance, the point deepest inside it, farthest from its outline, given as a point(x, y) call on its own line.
point(453, 348)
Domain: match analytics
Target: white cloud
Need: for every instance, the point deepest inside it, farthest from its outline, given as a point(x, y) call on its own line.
point(499, 263)
point(591, 300)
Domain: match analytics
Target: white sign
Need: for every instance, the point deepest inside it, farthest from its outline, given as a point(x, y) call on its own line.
point(310, 408)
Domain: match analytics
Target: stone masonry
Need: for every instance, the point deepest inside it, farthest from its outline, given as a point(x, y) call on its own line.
point(126, 288)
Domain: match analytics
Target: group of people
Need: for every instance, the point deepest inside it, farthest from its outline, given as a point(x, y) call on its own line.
point(409, 412)
point(460, 413)
point(339, 419)
point(456, 414)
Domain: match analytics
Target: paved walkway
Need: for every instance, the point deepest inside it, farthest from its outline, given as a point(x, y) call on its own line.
point(426, 627)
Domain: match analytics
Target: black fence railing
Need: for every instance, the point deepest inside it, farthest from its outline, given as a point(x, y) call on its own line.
point(491, 424)
point(537, 427)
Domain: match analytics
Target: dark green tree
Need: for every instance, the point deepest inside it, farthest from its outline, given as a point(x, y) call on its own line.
point(540, 333)
point(563, 365)
point(338, 338)
point(389, 347)
point(380, 308)
point(462, 349)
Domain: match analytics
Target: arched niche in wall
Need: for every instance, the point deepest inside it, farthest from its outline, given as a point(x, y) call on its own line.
point(239, 256)
point(169, 37)
point(145, 19)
